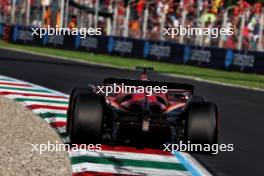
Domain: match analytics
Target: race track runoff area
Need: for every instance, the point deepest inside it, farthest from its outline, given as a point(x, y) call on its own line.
point(52, 107)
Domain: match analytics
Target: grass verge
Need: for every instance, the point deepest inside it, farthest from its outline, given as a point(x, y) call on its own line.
point(235, 78)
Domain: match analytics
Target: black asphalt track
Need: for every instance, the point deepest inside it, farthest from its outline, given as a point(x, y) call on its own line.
point(242, 111)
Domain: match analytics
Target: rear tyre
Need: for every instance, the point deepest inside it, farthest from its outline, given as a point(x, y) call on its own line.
point(201, 126)
point(87, 119)
point(74, 92)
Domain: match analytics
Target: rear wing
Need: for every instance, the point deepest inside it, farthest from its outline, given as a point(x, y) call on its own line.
point(144, 69)
point(170, 86)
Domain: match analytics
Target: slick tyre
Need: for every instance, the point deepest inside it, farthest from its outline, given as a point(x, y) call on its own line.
point(87, 119)
point(74, 92)
point(201, 126)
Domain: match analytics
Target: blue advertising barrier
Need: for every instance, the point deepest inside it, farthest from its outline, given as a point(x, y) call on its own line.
point(1, 30)
point(163, 51)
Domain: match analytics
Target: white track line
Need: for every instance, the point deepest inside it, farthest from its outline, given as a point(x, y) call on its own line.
point(37, 98)
point(46, 110)
point(55, 119)
point(28, 103)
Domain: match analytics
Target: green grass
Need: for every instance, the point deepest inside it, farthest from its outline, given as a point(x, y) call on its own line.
point(236, 78)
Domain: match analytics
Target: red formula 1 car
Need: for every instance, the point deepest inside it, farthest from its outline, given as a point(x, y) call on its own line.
point(142, 118)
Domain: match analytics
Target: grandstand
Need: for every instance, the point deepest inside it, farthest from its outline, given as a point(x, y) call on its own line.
point(147, 18)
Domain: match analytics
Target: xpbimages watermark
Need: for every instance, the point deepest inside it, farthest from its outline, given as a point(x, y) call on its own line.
point(58, 147)
point(126, 89)
point(83, 32)
point(190, 147)
point(197, 31)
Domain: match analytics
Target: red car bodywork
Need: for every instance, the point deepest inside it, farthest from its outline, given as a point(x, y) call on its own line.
point(162, 101)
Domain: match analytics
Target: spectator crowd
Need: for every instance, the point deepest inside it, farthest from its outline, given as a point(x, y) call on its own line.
point(201, 13)
point(246, 18)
